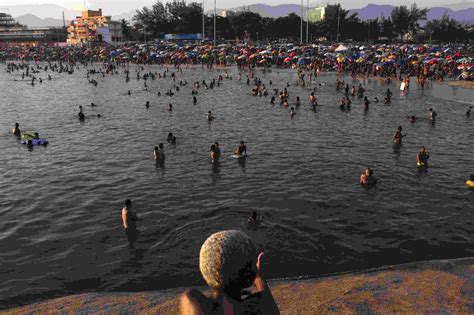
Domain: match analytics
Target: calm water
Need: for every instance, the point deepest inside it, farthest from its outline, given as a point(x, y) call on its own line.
point(61, 232)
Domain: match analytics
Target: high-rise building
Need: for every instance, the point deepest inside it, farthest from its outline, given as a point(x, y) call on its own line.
point(93, 26)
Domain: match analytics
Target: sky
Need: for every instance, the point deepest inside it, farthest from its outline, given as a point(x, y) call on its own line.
point(114, 7)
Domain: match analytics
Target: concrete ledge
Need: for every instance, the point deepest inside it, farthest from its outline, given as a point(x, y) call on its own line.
point(441, 286)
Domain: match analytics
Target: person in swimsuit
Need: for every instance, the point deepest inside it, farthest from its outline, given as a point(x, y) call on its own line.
point(214, 155)
point(16, 131)
point(468, 113)
point(422, 157)
point(209, 116)
point(397, 137)
point(312, 99)
point(129, 219)
point(228, 265)
point(367, 178)
point(218, 150)
point(158, 153)
point(80, 115)
point(432, 115)
point(241, 149)
point(292, 111)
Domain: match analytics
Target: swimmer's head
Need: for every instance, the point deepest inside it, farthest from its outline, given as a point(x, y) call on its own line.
point(128, 203)
point(400, 128)
point(160, 145)
point(471, 178)
point(36, 135)
point(17, 125)
point(213, 147)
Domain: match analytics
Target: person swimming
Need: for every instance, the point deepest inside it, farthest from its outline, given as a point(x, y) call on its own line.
point(80, 115)
point(241, 149)
point(194, 100)
point(170, 137)
point(147, 105)
point(422, 157)
point(376, 99)
point(170, 107)
point(92, 105)
point(468, 113)
point(253, 218)
point(16, 131)
point(367, 178)
point(412, 119)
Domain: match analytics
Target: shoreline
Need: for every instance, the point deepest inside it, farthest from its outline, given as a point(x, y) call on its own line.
point(397, 288)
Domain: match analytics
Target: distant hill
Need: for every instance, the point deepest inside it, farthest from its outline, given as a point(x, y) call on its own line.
point(34, 21)
point(374, 11)
point(371, 11)
point(42, 11)
point(267, 10)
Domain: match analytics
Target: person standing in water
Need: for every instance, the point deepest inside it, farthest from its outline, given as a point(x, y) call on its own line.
point(241, 149)
point(129, 219)
point(16, 131)
point(158, 153)
point(397, 137)
point(80, 115)
point(422, 157)
point(214, 156)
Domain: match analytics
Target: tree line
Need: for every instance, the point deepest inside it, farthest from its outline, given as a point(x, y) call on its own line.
point(179, 17)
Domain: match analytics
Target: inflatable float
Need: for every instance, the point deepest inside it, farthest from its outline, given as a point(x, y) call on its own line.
point(240, 156)
point(26, 137)
point(470, 183)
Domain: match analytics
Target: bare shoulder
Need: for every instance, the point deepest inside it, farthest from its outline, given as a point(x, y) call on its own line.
point(193, 301)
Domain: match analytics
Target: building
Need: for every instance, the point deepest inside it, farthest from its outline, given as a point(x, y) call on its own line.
point(13, 34)
point(93, 26)
point(317, 14)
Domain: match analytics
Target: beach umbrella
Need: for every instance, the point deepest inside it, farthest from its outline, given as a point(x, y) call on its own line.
point(303, 61)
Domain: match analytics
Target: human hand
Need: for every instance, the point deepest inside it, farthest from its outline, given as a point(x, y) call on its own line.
point(259, 258)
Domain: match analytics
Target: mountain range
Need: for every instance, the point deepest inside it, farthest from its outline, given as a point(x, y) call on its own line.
point(50, 15)
point(371, 11)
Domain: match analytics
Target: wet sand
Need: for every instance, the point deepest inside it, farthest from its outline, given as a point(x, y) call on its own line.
point(425, 287)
